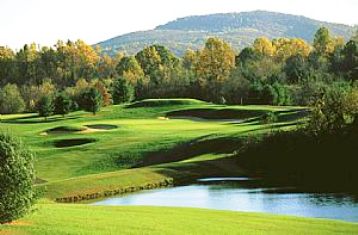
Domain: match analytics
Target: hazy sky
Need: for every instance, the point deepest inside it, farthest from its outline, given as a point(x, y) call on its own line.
point(45, 21)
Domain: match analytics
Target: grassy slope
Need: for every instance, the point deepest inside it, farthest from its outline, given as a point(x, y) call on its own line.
point(83, 219)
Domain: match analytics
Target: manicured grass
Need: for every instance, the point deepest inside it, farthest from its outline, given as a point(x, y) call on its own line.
point(126, 136)
point(83, 219)
point(140, 132)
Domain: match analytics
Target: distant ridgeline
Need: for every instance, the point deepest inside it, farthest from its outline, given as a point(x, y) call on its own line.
point(239, 29)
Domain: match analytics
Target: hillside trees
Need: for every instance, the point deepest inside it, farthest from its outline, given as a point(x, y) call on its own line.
point(255, 75)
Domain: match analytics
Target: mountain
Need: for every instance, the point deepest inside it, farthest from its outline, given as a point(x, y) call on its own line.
point(240, 29)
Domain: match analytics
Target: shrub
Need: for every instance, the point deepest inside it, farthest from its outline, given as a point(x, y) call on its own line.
point(16, 178)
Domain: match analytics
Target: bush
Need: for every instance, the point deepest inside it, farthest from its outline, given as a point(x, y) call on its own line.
point(334, 110)
point(16, 178)
point(11, 100)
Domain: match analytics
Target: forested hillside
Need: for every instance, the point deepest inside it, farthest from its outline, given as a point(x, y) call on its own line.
point(74, 75)
point(239, 29)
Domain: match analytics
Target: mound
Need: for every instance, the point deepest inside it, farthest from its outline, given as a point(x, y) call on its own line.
point(102, 126)
point(215, 113)
point(65, 129)
point(72, 142)
point(164, 102)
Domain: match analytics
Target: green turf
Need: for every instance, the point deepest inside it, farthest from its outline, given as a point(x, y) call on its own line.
point(82, 219)
point(126, 136)
point(151, 143)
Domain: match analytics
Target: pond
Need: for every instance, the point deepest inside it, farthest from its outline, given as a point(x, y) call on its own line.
point(243, 194)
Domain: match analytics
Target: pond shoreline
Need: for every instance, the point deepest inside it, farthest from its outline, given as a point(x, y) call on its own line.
point(168, 182)
point(246, 195)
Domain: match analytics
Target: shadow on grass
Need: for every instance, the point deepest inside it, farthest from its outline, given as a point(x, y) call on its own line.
point(188, 172)
point(66, 143)
point(216, 113)
point(36, 120)
point(187, 150)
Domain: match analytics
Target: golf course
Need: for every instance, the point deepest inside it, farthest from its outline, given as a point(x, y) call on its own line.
point(147, 144)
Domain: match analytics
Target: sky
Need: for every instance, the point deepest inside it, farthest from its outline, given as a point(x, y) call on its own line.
point(46, 21)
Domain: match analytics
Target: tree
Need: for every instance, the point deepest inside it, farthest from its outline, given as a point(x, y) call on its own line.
point(158, 63)
point(91, 100)
point(16, 179)
point(215, 63)
point(323, 42)
point(130, 69)
point(62, 104)
point(264, 46)
point(107, 98)
point(296, 68)
point(6, 65)
point(150, 61)
point(45, 106)
point(27, 65)
point(11, 100)
point(122, 91)
point(285, 48)
point(246, 55)
point(350, 60)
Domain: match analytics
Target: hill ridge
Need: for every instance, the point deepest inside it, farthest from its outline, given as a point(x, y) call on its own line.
point(238, 28)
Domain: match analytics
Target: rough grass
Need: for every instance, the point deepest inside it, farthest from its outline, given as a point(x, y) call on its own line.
point(82, 219)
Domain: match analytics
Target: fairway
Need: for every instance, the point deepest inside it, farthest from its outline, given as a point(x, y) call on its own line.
point(82, 219)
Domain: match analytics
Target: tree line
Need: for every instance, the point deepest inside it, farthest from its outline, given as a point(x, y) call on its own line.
point(73, 75)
